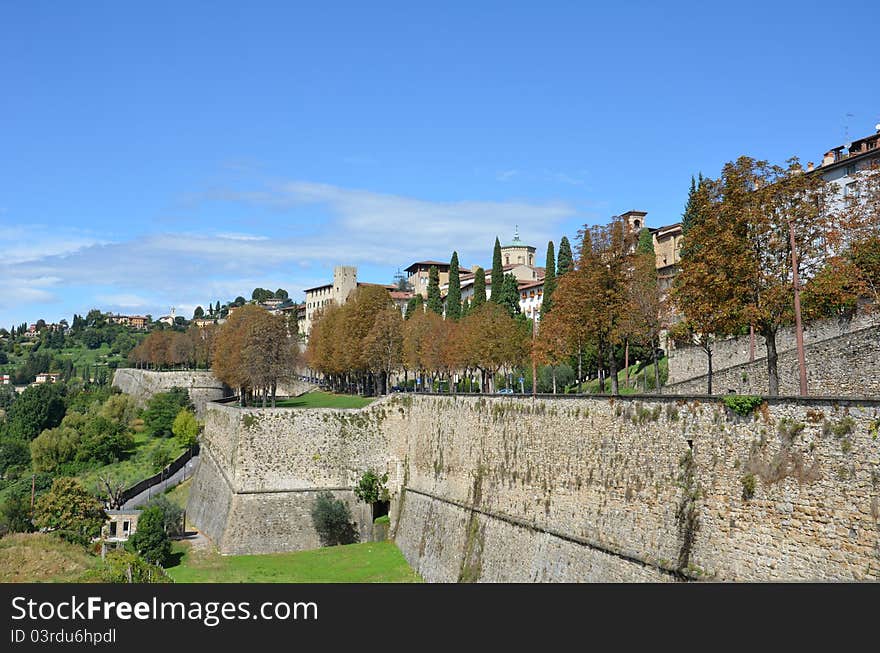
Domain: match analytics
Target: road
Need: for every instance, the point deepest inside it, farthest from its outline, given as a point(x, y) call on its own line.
point(177, 477)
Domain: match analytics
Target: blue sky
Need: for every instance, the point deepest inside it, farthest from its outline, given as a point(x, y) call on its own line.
point(179, 153)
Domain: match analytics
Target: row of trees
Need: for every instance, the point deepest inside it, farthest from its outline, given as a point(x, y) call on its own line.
point(193, 348)
point(741, 234)
point(602, 302)
point(359, 345)
point(254, 352)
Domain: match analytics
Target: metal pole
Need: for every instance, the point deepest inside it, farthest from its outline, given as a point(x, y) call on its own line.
point(799, 330)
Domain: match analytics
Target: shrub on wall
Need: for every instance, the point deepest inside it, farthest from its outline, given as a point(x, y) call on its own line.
point(332, 520)
point(742, 404)
point(371, 488)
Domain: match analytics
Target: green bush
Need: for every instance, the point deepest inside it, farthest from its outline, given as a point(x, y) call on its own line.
point(172, 514)
point(162, 409)
point(384, 519)
point(332, 520)
point(371, 488)
point(749, 484)
point(743, 405)
point(127, 567)
point(150, 540)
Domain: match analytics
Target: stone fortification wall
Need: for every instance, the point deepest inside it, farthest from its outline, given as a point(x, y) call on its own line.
point(265, 467)
point(583, 489)
point(142, 384)
point(690, 362)
point(203, 386)
point(847, 365)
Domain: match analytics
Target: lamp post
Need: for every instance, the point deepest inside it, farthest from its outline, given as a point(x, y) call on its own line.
point(798, 327)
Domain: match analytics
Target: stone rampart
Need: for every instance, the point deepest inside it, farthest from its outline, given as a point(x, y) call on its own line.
point(565, 489)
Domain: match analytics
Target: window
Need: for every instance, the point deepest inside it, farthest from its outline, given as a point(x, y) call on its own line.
point(113, 529)
point(851, 189)
point(850, 170)
point(125, 526)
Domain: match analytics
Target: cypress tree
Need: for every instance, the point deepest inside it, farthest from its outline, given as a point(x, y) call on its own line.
point(497, 272)
point(646, 242)
point(453, 297)
point(564, 262)
point(413, 306)
point(508, 294)
point(549, 279)
point(479, 289)
point(434, 302)
point(690, 215)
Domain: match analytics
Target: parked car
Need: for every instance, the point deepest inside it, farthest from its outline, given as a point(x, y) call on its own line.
point(504, 391)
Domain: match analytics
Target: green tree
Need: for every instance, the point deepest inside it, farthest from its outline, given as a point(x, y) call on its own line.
point(508, 297)
point(199, 312)
point(150, 540)
point(172, 514)
point(414, 305)
point(70, 511)
point(186, 428)
point(162, 409)
point(479, 289)
point(371, 488)
point(497, 272)
point(15, 511)
point(332, 520)
point(549, 279)
point(54, 447)
point(103, 440)
point(38, 408)
point(453, 297)
point(691, 209)
point(564, 260)
point(646, 242)
point(281, 293)
point(435, 304)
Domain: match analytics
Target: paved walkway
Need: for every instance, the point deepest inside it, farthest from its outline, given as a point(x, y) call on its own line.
point(176, 478)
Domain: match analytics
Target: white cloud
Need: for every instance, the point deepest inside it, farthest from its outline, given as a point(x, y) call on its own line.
point(323, 225)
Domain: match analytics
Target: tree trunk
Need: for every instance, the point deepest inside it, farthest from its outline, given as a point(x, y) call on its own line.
point(274, 392)
point(553, 374)
point(772, 360)
point(580, 369)
point(708, 351)
point(612, 365)
point(626, 361)
point(656, 367)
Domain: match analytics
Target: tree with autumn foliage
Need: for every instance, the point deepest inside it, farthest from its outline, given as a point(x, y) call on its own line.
point(707, 290)
point(490, 340)
point(254, 353)
point(383, 345)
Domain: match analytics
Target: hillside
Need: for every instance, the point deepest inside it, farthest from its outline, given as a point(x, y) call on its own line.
point(41, 558)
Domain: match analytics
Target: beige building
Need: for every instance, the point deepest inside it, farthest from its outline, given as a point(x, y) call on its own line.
point(344, 282)
point(418, 272)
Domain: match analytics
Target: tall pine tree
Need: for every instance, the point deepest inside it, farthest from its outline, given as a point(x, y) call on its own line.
point(434, 302)
point(497, 272)
point(453, 297)
point(690, 215)
point(479, 289)
point(508, 294)
point(549, 279)
point(564, 262)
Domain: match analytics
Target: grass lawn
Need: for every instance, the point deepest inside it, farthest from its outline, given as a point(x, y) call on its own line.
point(636, 381)
point(325, 400)
point(41, 558)
point(368, 562)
